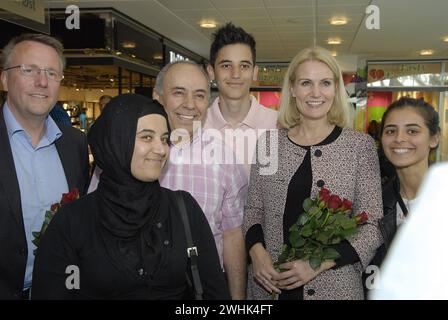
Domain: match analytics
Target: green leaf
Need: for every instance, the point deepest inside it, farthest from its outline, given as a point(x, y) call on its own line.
point(306, 231)
point(303, 218)
point(330, 254)
point(315, 262)
point(307, 204)
point(294, 238)
point(324, 237)
point(348, 223)
point(35, 242)
point(294, 227)
point(348, 233)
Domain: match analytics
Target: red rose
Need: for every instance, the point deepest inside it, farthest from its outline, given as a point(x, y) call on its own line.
point(323, 191)
point(361, 217)
point(346, 205)
point(69, 197)
point(334, 202)
point(325, 197)
point(55, 207)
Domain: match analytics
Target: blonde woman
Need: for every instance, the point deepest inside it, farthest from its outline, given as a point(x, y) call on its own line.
point(316, 149)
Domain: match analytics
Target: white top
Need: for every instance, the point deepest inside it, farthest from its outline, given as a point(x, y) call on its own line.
point(415, 267)
point(409, 205)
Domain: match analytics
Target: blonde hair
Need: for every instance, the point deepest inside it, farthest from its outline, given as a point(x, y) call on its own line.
point(339, 113)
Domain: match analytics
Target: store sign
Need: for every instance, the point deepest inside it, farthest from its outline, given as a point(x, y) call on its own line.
point(30, 9)
point(176, 57)
point(271, 75)
point(378, 72)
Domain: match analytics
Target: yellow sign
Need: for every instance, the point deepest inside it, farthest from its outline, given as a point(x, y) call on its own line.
point(30, 9)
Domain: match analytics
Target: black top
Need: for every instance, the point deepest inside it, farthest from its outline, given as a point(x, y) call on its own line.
point(74, 239)
point(299, 189)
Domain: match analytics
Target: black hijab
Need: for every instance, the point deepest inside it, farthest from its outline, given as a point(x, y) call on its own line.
point(126, 204)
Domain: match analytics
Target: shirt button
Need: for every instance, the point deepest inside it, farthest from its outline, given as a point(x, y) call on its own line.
point(166, 242)
point(159, 225)
point(317, 153)
point(310, 292)
point(320, 183)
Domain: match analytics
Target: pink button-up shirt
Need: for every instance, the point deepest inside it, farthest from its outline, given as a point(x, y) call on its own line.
point(242, 139)
point(220, 189)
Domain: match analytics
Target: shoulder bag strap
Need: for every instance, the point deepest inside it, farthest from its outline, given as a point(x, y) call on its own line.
point(192, 251)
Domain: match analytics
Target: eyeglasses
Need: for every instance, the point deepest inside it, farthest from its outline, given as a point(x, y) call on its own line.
point(34, 71)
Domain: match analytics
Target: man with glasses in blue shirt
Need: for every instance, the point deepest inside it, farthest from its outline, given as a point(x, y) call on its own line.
point(39, 160)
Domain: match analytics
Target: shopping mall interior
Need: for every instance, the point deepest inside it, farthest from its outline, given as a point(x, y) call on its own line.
point(387, 49)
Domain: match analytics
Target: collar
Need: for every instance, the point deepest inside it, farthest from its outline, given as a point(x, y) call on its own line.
point(219, 122)
point(52, 131)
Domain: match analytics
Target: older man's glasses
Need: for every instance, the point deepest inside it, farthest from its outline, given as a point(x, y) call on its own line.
point(34, 71)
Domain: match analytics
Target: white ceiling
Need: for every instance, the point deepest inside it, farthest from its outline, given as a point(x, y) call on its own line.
point(282, 27)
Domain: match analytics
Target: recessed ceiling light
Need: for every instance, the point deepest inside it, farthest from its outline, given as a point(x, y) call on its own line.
point(129, 45)
point(118, 53)
point(334, 53)
point(111, 79)
point(338, 21)
point(334, 41)
point(208, 24)
point(427, 52)
point(157, 56)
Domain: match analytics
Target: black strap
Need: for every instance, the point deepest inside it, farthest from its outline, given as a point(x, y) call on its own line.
point(402, 205)
point(192, 251)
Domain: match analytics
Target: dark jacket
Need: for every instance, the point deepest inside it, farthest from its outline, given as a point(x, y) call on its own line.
point(74, 239)
point(388, 227)
point(72, 150)
point(388, 223)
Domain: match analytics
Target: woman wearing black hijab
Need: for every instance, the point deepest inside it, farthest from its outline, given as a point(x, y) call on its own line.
point(127, 238)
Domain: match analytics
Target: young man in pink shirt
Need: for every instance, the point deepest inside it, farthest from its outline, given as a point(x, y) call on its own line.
point(235, 112)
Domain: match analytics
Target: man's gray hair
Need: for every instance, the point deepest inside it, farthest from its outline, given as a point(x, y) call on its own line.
point(161, 76)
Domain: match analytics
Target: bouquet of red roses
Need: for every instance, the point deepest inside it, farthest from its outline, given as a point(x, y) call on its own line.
point(326, 220)
point(49, 214)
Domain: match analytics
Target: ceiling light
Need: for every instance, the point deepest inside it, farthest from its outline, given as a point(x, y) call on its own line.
point(334, 41)
point(427, 52)
point(157, 56)
point(338, 21)
point(118, 53)
point(128, 45)
point(101, 90)
point(445, 39)
point(111, 79)
point(334, 53)
point(133, 55)
point(208, 24)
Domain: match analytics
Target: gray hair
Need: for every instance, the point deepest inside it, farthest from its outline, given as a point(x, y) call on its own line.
point(36, 37)
point(161, 76)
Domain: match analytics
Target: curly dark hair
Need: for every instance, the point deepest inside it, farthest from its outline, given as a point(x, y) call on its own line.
point(230, 34)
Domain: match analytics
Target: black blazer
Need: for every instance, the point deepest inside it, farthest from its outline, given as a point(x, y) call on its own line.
point(72, 150)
